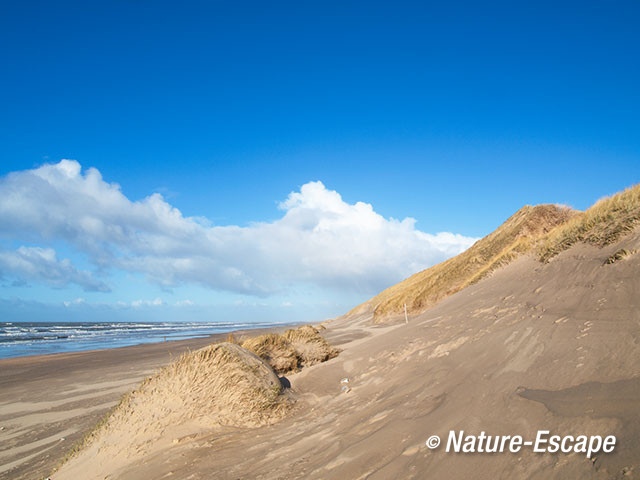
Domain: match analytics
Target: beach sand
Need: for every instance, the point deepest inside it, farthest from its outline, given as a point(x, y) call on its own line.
point(47, 402)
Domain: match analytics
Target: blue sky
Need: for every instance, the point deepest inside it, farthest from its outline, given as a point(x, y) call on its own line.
point(453, 115)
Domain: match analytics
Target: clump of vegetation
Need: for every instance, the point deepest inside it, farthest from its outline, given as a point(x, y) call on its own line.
point(602, 224)
point(310, 346)
point(516, 236)
point(295, 349)
point(232, 339)
point(619, 255)
point(274, 349)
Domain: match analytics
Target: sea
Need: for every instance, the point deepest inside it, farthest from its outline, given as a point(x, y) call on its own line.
point(38, 338)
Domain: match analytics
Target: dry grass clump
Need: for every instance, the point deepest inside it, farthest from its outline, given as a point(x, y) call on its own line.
point(310, 346)
point(274, 349)
point(514, 237)
point(295, 349)
point(602, 224)
point(231, 339)
point(220, 385)
point(619, 255)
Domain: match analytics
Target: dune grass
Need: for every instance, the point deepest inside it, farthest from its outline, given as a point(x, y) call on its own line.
point(602, 224)
point(619, 255)
point(222, 384)
point(274, 349)
point(310, 346)
point(296, 348)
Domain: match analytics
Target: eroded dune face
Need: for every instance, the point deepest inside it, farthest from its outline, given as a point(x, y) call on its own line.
point(217, 386)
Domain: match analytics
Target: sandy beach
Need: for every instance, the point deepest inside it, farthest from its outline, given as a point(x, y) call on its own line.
point(47, 402)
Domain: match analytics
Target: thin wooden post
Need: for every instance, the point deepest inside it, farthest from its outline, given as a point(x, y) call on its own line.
point(406, 319)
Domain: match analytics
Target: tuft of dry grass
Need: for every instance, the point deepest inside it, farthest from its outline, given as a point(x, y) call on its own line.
point(232, 339)
point(619, 255)
point(274, 349)
point(310, 346)
point(514, 237)
point(295, 349)
point(602, 224)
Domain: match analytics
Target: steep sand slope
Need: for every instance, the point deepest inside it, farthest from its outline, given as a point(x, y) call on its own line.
point(552, 346)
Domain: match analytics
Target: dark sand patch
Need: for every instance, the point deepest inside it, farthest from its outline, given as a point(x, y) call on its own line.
point(620, 400)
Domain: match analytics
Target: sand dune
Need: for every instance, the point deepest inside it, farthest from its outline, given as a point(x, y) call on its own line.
point(177, 404)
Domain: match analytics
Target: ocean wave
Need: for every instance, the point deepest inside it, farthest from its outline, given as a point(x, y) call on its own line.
point(29, 338)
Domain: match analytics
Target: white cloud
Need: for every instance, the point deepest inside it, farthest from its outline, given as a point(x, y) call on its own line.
point(320, 239)
point(157, 302)
point(42, 265)
point(77, 301)
point(184, 303)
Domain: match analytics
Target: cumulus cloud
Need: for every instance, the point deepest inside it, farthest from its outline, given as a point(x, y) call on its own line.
point(320, 239)
point(42, 265)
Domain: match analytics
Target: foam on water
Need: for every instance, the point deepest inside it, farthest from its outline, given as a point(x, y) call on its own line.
point(37, 338)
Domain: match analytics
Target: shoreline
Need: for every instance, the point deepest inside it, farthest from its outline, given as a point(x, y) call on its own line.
point(49, 401)
point(167, 339)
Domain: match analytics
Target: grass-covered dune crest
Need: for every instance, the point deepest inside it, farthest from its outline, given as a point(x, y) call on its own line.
point(608, 220)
